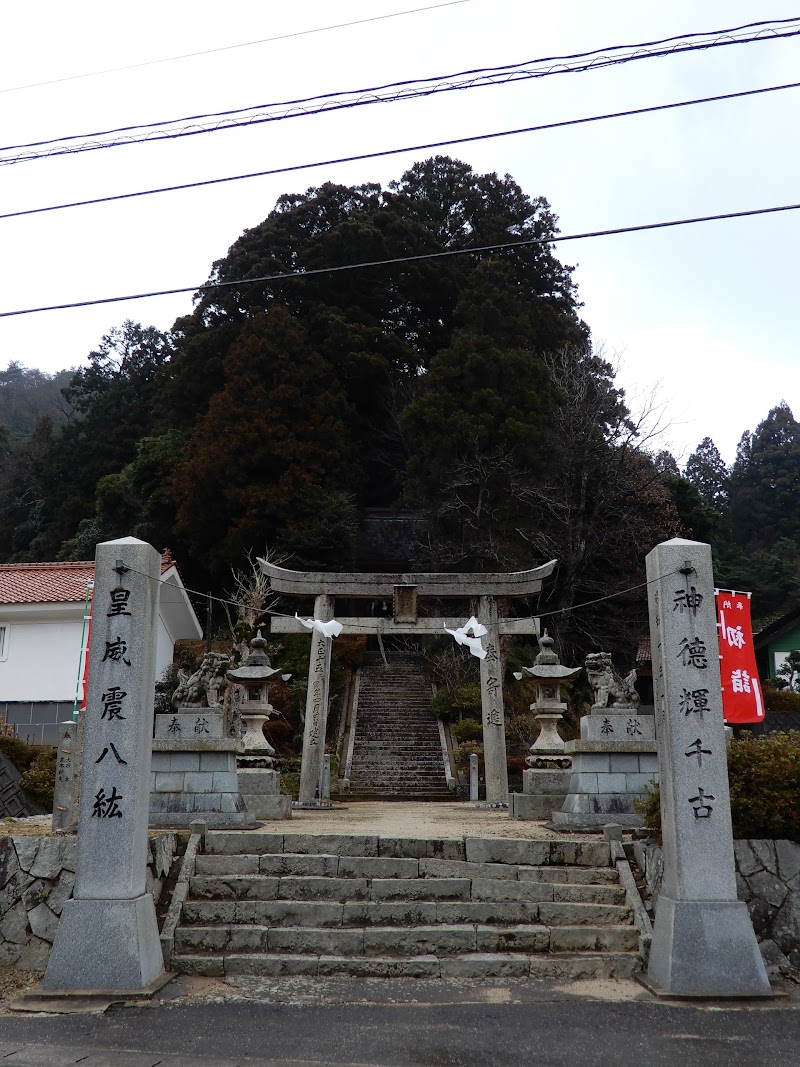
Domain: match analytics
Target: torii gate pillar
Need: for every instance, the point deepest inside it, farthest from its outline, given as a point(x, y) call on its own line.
point(319, 680)
point(492, 713)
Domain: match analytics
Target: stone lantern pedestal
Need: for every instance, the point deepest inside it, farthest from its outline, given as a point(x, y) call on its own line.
point(259, 781)
point(545, 783)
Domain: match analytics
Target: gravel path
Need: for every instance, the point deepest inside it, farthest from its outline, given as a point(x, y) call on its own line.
point(416, 819)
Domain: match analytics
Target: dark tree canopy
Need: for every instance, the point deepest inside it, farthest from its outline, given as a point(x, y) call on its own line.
point(463, 387)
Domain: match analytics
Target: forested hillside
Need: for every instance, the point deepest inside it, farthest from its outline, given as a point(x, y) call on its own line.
point(465, 389)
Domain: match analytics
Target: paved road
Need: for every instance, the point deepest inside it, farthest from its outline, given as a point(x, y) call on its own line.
point(415, 1025)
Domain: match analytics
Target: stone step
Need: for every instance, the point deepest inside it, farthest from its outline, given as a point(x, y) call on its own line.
point(554, 966)
point(420, 778)
point(381, 752)
point(313, 887)
point(557, 853)
point(439, 940)
point(370, 913)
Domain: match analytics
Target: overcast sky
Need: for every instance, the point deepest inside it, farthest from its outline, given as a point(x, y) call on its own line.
point(708, 311)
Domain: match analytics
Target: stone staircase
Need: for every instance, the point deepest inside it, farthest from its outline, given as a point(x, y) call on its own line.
point(274, 904)
point(397, 751)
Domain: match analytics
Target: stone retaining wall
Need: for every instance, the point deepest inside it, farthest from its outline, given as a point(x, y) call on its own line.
point(767, 880)
point(37, 875)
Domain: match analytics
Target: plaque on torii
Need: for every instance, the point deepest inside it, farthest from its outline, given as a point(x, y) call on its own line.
point(405, 590)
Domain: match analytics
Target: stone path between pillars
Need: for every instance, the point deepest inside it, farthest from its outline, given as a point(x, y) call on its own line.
point(417, 819)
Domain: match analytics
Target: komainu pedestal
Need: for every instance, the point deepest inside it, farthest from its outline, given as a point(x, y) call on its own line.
point(615, 759)
point(193, 771)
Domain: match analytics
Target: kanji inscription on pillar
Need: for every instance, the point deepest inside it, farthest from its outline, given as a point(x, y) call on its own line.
point(108, 935)
point(699, 888)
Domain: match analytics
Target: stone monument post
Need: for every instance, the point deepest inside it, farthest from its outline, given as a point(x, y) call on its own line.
point(703, 940)
point(62, 793)
point(108, 936)
point(319, 673)
point(474, 789)
point(494, 733)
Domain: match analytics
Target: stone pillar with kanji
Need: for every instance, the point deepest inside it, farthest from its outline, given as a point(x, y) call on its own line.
point(494, 732)
point(703, 941)
point(315, 728)
point(108, 935)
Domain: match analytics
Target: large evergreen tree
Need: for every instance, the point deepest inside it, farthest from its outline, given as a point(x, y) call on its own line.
point(272, 452)
point(765, 482)
point(708, 473)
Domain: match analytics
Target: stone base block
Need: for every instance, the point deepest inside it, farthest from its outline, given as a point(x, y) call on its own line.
point(705, 948)
point(198, 784)
point(190, 724)
point(531, 806)
point(105, 944)
point(264, 782)
point(535, 782)
point(607, 778)
point(221, 810)
point(264, 806)
point(579, 820)
point(616, 725)
point(216, 820)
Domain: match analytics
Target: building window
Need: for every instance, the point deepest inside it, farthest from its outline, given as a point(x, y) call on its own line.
point(3, 643)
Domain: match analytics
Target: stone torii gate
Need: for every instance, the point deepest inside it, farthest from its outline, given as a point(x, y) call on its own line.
point(405, 590)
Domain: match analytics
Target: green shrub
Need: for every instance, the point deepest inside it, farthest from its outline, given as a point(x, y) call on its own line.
point(765, 785)
point(449, 704)
point(462, 753)
point(39, 781)
point(764, 776)
point(290, 784)
point(20, 754)
point(781, 700)
point(649, 807)
point(468, 730)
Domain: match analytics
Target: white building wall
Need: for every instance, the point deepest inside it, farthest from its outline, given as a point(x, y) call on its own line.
point(42, 658)
point(165, 646)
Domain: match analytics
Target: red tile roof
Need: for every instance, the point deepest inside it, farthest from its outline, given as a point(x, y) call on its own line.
point(643, 653)
point(51, 583)
point(44, 583)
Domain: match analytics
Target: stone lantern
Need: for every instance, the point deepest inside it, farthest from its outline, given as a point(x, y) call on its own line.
point(259, 782)
point(546, 781)
point(549, 674)
point(253, 681)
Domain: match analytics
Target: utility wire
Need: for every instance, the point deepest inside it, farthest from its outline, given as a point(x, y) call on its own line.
point(398, 151)
point(390, 92)
point(289, 275)
point(538, 614)
point(491, 71)
point(231, 47)
point(610, 596)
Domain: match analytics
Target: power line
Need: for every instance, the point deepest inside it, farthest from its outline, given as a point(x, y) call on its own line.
point(288, 276)
point(231, 47)
point(478, 78)
point(539, 614)
point(398, 151)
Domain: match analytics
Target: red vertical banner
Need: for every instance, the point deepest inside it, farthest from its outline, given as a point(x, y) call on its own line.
point(742, 700)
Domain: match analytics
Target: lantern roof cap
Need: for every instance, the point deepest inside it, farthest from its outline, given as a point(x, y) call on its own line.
point(257, 668)
point(546, 667)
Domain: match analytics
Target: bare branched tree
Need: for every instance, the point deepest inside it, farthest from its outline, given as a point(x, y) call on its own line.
point(252, 595)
